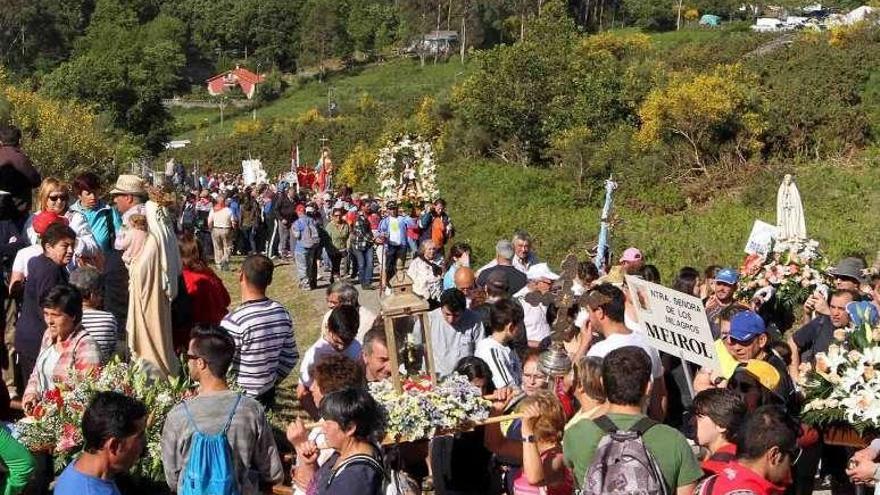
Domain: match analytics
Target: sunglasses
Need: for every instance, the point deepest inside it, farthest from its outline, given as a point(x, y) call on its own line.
point(734, 341)
point(57, 197)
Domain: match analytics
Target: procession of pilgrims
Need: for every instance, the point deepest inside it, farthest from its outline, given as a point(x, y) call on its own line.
point(151, 345)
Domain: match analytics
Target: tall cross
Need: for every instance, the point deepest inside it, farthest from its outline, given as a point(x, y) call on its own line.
point(323, 141)
point(555, 360)
point(562, 299)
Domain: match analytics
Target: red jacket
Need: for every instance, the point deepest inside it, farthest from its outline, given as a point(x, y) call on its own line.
point(736, 478)
point(209, 297)
point(715, 463)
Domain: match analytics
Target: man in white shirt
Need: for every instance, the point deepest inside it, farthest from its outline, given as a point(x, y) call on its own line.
point(606, 305)
point(541, 280)
point(505, 319)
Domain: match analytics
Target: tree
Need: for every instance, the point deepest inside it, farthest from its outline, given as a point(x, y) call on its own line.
point(516, 112)
point(322, 34)
point(37, 35)
point(372, 25)
point(655, 15)
point(707, 111)
point(125, 68)
point(63, 137)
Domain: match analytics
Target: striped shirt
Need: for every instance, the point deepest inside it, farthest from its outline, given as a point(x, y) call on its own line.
point(502, 360)
point(101, 325)
point(265, 350)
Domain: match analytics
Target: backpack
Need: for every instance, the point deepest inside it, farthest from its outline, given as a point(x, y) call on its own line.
point(209, 469)
point(309, 236)
point(622, 463)
point(391, 484)
point(706, 486)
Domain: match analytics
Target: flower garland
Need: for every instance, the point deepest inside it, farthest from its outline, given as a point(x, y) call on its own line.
point(55, 424)
point(423, 409)
point(844, 385)
point(425, 167)
point(794, 268)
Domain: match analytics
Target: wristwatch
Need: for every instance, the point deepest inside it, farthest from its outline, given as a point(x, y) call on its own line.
point(529, 439)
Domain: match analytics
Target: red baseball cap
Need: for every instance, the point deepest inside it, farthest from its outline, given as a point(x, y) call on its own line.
point(44, 219)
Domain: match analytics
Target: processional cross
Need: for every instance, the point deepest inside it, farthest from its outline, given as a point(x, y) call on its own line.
point(555, 361)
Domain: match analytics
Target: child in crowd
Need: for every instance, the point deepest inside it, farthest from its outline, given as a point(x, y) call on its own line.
point(719, 415)
point(342, 328)
point(135, 237)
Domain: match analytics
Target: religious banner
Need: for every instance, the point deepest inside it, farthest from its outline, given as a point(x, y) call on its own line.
point(761, 238)
point(675, 322)
point(252, 172)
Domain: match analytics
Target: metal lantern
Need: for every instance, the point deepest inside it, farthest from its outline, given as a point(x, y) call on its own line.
point(403, 303)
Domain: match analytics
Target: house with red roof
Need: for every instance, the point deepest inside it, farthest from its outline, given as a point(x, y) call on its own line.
point(241, 77)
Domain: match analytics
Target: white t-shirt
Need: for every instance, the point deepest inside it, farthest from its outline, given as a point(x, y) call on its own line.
point(502, 360)
point(23, 256)
point(618, 340)
point(323, 348)
point(534, 317)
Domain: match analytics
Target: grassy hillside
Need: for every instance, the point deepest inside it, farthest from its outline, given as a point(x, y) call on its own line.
point(490, 200)
point(401, 83)
point(688, 222)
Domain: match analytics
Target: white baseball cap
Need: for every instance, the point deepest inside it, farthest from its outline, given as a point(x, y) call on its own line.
point(540, 272)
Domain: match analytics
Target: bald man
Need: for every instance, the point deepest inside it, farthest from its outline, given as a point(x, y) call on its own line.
point(465, 281)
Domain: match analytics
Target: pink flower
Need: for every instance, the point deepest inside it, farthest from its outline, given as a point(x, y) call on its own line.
point(70, 438)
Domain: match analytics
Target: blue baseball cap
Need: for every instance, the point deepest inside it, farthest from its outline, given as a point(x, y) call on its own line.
point(727, 276)
point(746, 325)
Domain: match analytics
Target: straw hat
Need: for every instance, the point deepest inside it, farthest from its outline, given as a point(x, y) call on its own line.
point(129, 184)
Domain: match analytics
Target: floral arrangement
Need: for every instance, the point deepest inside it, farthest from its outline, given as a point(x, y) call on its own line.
point(424, 409)
point(387, 167)
point(844, 385)
point(794, 268)
point(55, 423)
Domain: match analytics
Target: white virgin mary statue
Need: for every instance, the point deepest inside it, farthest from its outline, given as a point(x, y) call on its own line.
point(790, 211)
point(153, 283)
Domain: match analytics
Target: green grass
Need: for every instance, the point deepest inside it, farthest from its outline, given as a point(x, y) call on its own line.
point(400, 82)
point(488, 201)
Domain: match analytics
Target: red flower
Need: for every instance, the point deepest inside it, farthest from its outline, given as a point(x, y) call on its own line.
point(54, 395)
point(419, 383)
point(38, 411)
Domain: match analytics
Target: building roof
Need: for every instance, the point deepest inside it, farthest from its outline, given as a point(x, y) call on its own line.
point(240, 74)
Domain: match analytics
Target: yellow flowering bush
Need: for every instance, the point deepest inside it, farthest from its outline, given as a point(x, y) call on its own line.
point(63, 138)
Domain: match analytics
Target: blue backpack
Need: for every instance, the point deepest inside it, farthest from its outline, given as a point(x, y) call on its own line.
point(210, 469)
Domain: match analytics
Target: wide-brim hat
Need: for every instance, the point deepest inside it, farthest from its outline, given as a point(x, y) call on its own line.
point(853, 268)
point(129, 184)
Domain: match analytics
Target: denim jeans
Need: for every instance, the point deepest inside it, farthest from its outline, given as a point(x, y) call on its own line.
point(364, 259)
point(299, 258)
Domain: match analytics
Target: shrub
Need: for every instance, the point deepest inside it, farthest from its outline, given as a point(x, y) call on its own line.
point(707, 111)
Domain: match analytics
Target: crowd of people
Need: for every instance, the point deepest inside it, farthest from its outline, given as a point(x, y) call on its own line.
point(95, 273)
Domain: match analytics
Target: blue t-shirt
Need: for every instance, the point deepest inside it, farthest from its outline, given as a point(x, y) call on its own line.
point(449, 278)
point(73, 482)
